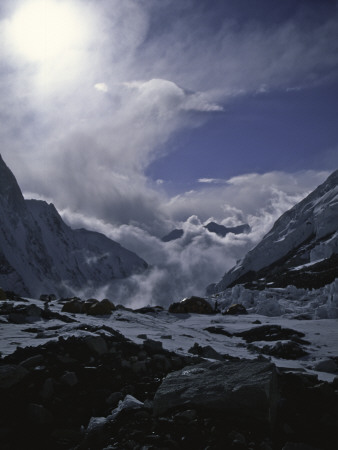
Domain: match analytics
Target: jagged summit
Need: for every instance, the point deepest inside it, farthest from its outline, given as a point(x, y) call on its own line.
point(11, 194)
point(302, 242)
point(40, 253)
point(222, 231)
point(212, 227)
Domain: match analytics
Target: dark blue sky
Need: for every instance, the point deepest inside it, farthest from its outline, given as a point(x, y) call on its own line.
point(286, 131)
point(116, 109)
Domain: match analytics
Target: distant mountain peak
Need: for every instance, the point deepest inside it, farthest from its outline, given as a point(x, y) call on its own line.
point(173, 235)
point(212, 227)
point(222, 231)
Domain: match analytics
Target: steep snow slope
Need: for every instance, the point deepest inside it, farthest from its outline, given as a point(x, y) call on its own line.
point(307, 233)
point(40, 253)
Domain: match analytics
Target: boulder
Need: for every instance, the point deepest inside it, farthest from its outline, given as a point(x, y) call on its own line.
point(246, 388)
point(327, 365)
point(11, 374)
point(96, 344)
point(197, 305)
point(271, 333)
point(73, 305)
point(88, 304)
point(3, 295)
point(69, 378)
point(102, 308)
point(235, 310)
point(25, 314)
point(206, 352)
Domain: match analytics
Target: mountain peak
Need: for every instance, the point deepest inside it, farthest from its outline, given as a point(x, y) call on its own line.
point(10, 192)
point(40, 253)
point(302, 237)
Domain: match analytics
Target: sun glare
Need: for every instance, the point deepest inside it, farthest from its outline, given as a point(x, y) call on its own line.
point(45, 29)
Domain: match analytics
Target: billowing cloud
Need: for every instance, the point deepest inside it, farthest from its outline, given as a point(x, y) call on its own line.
point(186, 266)
point(82, 129)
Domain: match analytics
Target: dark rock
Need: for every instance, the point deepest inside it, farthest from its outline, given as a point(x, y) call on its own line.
point(298, 446)
point(3, 295)
point(25, 314)
point(142, 336)
point(96, 344)
point(285, 350)
point(327, 365)
point(236, 309)
point(271, 333)
point(74, 305)
point(47, 390)
point(218, 330)
point(105, 307)
point(11, 374)
point(166, 336)
point(243, 387)
point(114, 398)
point(149, 310)
point(39, 415)
point(195, 305)
point(185, 416)
point(205, 352)
point(69, 378)
point(32, 361)
point(152, 346)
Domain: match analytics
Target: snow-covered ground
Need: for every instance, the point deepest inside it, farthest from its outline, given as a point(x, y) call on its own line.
point(310, 312)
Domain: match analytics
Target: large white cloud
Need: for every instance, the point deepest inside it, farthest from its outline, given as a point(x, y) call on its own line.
point(83, 129)
point(186, 266)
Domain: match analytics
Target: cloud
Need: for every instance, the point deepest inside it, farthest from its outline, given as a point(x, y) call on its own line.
point(83, 129)
point(101, 87)
point(211, 180)
point(89, 148)
point(185, 267)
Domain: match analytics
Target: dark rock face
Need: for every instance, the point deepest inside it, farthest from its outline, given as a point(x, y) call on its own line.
point(197, 305)
point(244, 387)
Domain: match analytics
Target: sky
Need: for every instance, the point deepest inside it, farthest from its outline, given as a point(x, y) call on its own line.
point(135, 117)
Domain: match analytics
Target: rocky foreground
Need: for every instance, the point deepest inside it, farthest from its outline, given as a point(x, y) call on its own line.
point(102, 391)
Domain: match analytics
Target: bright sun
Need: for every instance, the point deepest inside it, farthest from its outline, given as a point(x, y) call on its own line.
point(46, 29)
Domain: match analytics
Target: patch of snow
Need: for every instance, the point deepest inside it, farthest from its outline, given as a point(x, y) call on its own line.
point(285, 307)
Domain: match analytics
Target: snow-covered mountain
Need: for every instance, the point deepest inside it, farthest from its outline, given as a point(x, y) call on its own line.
point(39, 253)
point(301, 249)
